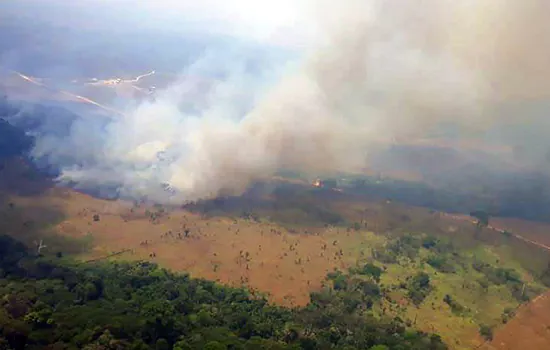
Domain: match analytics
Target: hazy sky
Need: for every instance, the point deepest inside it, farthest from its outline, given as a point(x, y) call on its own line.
point(282, 22)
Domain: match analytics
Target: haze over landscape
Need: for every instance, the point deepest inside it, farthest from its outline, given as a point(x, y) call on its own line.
point(419, 128)
point(369, 75)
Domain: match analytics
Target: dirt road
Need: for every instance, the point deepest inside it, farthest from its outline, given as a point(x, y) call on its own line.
point(496, 229)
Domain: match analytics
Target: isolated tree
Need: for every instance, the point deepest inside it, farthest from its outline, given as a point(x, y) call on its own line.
point(482, 217)
point(39, 246)
point(486, 332)
point(370, 269)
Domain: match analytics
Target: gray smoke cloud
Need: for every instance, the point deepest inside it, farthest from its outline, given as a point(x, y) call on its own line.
point(381, 72)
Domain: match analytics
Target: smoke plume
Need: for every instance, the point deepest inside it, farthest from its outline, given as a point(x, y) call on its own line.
point(380, 72)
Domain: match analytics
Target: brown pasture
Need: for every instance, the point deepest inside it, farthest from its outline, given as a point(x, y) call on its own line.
point(260, 255)
point(536, 231)
point(529, 329)
point(286, 263)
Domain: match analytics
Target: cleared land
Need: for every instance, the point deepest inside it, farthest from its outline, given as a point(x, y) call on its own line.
point(274, 244)
point(536, 231)
point(529, 329)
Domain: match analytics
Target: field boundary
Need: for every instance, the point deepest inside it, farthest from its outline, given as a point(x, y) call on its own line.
point(105, 257)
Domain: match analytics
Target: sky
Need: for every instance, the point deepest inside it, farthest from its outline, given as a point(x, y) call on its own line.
point(284, 22)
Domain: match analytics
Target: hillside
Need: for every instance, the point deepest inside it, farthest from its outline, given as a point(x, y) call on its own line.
point(246, 175)
point(288, 240)
point(362, 245)
point(51, 303)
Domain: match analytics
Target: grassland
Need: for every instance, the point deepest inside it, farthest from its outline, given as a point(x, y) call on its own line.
point(472, 299)
point(283, 242)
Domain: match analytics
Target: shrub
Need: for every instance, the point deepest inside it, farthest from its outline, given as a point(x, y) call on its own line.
point(372, 270)
point(486, 332)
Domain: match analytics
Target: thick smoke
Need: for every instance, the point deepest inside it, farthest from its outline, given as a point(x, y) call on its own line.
point(382, 72)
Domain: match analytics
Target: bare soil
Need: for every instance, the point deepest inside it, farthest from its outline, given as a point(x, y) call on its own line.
point(529, 329)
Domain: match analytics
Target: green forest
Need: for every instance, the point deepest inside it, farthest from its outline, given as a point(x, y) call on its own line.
point(52, 302)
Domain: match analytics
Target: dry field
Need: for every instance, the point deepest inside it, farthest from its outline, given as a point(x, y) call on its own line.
point(285, 262)
point(529, 329)
point(262, 256)
point(536, 231)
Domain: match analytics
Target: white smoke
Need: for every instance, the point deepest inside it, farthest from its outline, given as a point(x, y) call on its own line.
point(383, 71)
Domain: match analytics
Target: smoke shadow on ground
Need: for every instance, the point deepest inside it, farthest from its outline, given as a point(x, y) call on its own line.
point(280, 202)
point(25, 210)
point(18, 176)
point(460, 182)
